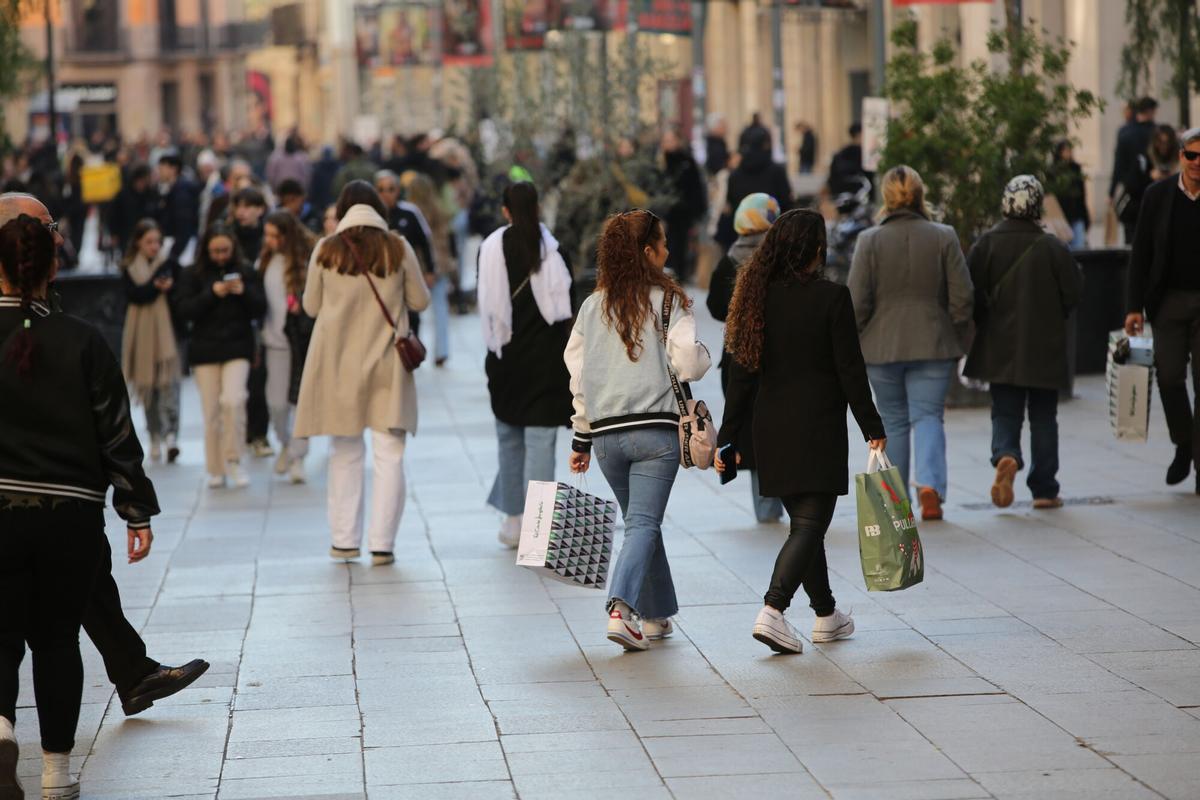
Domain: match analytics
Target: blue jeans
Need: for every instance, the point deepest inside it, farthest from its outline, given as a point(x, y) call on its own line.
point(1079, 241)
point(526, 454)
point(766, 509)
point(440, 305)
point(640, 466)
point(911, 396)
point(1008, 414)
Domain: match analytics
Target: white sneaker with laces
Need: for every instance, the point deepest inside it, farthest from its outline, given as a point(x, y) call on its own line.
point(296, 471)
point(776, 632)
point(216, 481)
point(282, 462)
point(625, 632)
point(57, 781)
point(510, 532)
point(10, 786)
point(838, 625)
point(238, 478)
point(657, 629)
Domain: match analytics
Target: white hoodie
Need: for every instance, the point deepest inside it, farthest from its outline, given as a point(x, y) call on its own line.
point(551, 286)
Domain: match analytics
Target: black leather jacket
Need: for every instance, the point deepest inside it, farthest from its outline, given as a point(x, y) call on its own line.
point(65, 428)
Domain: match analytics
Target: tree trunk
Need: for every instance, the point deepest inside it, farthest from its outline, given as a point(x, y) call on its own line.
point(1183, 87)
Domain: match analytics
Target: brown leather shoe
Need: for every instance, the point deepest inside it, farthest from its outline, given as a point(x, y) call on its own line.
point(1002, 487)
point(931, 504)
point(1047, 503)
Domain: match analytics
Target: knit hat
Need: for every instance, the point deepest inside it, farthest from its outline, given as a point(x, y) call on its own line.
point(1023, 198)
point(755, 214)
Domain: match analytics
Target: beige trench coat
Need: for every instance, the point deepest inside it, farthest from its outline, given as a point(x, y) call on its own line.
point(353, 379)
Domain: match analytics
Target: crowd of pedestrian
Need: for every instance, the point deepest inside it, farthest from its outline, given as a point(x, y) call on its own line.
point(291, 289)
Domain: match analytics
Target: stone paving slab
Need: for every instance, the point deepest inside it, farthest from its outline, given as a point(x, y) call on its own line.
point(1046, 655)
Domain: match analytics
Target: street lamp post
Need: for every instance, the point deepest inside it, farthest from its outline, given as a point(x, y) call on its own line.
point(777, 73)
point(52, 111)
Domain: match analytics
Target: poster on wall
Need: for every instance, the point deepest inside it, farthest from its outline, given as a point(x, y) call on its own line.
point(875, 112)
point(583, 15)
point(526, 23)
point(662, 16)
point(467, 33)
point(258, 100)
point(394, 35)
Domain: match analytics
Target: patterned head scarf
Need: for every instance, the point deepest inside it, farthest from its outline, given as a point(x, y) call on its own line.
point(1023, 198)
point(755, 214)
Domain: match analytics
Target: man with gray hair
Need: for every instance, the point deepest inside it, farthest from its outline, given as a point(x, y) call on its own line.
point(1164, 287)
point(139, 680)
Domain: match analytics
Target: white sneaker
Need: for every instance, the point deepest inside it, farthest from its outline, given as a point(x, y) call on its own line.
point(282, 462)
point(57, 781)
point(155, 449)
point(625, 632)
point(838, 625)
point(238, 478)
point(216, 481)
point(657, 629)
point(10, 786)
point(510, 532)
point(296, 471)
point(261, 448)
point(776, 633)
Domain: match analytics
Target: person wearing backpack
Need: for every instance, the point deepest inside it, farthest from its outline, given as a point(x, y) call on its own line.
point(625, 407)
point(1131, 164)
point(1026, 283)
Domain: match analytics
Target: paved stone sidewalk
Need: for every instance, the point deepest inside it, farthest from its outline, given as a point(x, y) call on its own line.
point(1046, 655)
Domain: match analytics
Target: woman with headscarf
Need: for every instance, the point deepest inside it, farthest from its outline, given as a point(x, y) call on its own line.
point(755, 215)
point(1026, 283)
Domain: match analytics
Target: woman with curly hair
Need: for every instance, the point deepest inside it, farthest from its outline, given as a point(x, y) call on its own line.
point(792, 336)
point(619, 356)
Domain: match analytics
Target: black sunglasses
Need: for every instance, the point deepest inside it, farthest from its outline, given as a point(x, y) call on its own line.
point(644, 239)
point(1190, 155)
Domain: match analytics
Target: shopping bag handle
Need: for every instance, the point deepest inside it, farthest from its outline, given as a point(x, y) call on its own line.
point(878, 460)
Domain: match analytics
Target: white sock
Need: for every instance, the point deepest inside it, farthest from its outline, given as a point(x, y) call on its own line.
point(6, 729)
point(623, 607)
point(56, 769)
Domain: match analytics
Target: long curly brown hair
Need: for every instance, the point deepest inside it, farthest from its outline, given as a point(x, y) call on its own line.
point(27, 258)
point(297, 246)
point(793, 250)
point(626, 277)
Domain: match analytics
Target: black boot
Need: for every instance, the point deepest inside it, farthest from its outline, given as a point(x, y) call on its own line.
point(1181, 467)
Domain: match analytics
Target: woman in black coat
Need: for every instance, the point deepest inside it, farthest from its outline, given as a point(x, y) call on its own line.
point(755, 172)
point(793, 336)
point(222, 297)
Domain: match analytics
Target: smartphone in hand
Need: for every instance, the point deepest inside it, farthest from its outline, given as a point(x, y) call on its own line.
point(229, 277)
point(729, 458)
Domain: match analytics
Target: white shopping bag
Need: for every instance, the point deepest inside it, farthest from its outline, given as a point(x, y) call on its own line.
point(1130, 376)
point(567, 534)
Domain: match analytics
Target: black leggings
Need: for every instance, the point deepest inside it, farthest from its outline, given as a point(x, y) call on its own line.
point(48, 562)
point(802, 557)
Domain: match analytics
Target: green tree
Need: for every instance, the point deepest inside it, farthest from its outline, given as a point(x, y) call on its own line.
point(1167, 29)
point(17, 65)
point(968, 130)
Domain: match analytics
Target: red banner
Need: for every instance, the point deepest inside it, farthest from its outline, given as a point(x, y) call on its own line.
point(935, 2)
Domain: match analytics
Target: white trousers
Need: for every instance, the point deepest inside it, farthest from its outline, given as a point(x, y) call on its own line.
point(223, 397)
point(279, 376)
point(347, 481)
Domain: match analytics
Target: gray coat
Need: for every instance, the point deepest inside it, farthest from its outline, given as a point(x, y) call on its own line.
point(911, 290)
point(1021, 306)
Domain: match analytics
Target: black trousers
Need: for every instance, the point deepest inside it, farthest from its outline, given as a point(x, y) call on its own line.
point(1176, 340)
point(120, 646)
point(1008, 415)
point(802, 561)
point(49, 556)
point(258, 418)
point(678, 257)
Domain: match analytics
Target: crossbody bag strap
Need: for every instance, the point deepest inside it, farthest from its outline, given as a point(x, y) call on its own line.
point(680, 398)
point(521, 288)
point(358, 262)
point(995, 291)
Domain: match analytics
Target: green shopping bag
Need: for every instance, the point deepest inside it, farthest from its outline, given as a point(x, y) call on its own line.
point(888, 544)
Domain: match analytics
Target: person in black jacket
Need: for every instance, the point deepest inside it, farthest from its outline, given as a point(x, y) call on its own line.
point(407, 220)
point(138, 199)
point(798, 363)
point(222, 297)
point(757, 172)
point(67, 438)
point(1164, 287)
point(689, 200)
point(755, 215)
point(1131, 164)
point(181, 204)
point(1073, 196)
point(247, 209)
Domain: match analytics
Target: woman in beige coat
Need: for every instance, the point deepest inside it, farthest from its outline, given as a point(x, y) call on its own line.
point(353, 379)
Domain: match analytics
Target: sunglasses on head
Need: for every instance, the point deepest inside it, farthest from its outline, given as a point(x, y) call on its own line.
point(1190, 155)
point(644, 239)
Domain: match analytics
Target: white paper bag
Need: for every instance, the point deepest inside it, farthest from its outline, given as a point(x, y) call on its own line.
point(1129, 387)
point(567, 534)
